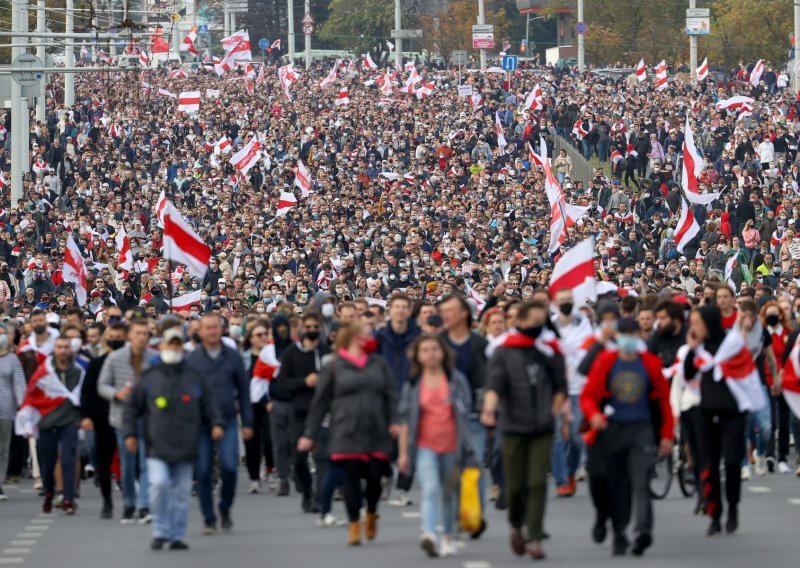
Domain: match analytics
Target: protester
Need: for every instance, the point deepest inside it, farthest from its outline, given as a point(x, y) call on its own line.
point(259, 445)
point(12, 391)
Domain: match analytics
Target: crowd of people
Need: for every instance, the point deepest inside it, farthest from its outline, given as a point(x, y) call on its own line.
point(397, 322)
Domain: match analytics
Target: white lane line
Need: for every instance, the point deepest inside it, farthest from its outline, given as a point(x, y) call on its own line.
point(10, 561)
point(30, 535)
point(794, 501)
point(759, 489)
point(42, 521)
point(16, 551)
point(412, 515)
point(28, 491)
point(22, 543)
point(477, 564)
point(37, 528)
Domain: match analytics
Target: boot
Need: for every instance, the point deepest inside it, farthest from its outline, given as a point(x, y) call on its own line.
point(371, 526)
point(353, 534)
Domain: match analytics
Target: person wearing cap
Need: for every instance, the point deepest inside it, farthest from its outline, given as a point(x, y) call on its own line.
point(175, 401)
point(626, 403)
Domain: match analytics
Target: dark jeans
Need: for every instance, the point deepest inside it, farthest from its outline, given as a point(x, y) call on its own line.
point(280, 419)
point(781, 417)
point(371, 472)
point(50, 441)
point(18, 456)
point(526, 460)
point(721, 438)
point(301, 471)
point(334, 477)
point(228, 448)
point(105, 442)
point(690, 435)
point(630, 450)
point(260, 445)
point(630, 176)
point(641, 167)
point(599, 488)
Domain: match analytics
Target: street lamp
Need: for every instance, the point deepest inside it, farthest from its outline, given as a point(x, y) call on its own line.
point(527, 33)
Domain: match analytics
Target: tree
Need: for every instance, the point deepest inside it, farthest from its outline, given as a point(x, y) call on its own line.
point(451, 29)
point(356, 24)
point(749, 30)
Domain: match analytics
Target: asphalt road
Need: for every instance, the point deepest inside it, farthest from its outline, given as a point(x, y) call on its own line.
point(271, 531)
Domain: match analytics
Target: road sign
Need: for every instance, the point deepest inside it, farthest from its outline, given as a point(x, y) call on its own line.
point(20, 73)
point(581, 28)
point(698, 26)
point(175, 17)
point(202, 29)
point(459, 57)
point(698, 13)
point(307, 19)
point(483, 36)
point(263, 43)
point(510, 62)
point(308, 28)
point(406, 34)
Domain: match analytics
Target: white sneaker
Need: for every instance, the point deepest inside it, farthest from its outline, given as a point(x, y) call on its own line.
point(761, 465)
point(746, 473)
point(427, 542)
point(783, 468)
point(58, 501)
point(328, 521)
point(447, 548)
point(255, 486)
point(581, 474)
point(402, 500)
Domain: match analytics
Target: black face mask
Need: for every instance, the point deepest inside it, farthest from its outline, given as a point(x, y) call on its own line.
point(566, 308)
point(666, 330)
point(40, 329)
point(311, 335)
point(115, 344)
point(773, 320)
point(196, 338)
point(532, 332)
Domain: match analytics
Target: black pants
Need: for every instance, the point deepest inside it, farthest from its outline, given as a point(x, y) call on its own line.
point(18, 456)
point(301, 470)
point(53, 442)
point(690, 435)
point(641, 166)
point(721, 438)
point(105, 441)
point(260, 445)
point(372, 472)
point(630, 450)
point(599, 488)
point(630, 176)
point(781, 418)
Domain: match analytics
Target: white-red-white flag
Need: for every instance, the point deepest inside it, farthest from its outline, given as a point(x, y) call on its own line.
point(223, 145)
point(44, 394)
point(791, 381)
point(260, 77)
point(265, 369)
point(498, 128)
point(275, 44)
point(692, 168)
point(74, 270)
point(189, 102)
point(641, 71)
point(661, 76)
point(125, 256)
point(330, 78)
point(755, 75)
point(575, 271)
point(367, 62)
point(184, 302)
point(737, 103)
point(302, 178)
point(161, 206)
point(343, 98)
point(143, 60)
point(535, 99)
point(286, 201)
point(178, 74)
point(687, 228)
point(287, 75)
point(702, 71)
point(183, 245)
point(188, 43)
point(247, 157)
point(166, 93)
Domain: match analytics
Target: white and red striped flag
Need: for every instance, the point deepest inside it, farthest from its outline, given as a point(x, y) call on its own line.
point(183, 245)
point(534, 100)
point(166, 93)
point(302, 179)
point(286, 201)
point(40, 166)
point(275, 44)
point(161, 206)
point(641, 71)
point(189, 102)
point(579, 130)
point(480, 303)
point(123, 242)
point(74, 270)
point(367, 62)
point(791, 381)
point(44, 394)
point(178, 74)
point(498, 128)
point(702, 71)
point(188, 43)
point(425, 90)
point(265, 369)
point(687, 228)
point(143, 60)
point(287, 75)
point(575, 271)
point(661, 76)
point(606, 287)
point(223, 145)
point(692, 168)
point(343, 98)
point(247, 157)
point(230, 42)
point(184, 302)
point(330, 78)
point(249, 71)
point(755, 75)
point(536, 159)
point(738, 103)
point(260, 77)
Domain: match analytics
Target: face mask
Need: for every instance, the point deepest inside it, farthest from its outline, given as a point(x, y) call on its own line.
point(566, 308)
point(170, 357)
point(4, 341)
point(311, 335)
point(196, 338)
point(328, 310)
point(75, 344)
point(685, 272)
point(773, 320)
point(627, 343)
point(532, 332)
point(115, 344)
point(40, 329)
point(236, 332)
point(261, 309)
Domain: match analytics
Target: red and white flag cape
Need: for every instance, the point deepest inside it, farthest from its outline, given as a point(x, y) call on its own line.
point(330, 78)
point(641, 71)
point(480, 303)
point(286, 201)
point(123, 242)
point(260, 77)
point(265, 370)
point(755, 75)
point(687, 228)
point(223, 145)
point(189, 101)
point(791, 381)
point(367, 62)
point(247, 157)
point(166, 93)
point(184, 302)
point(40, 166)
point(579, 130)
point(734, 364)
point(535, 99)
point(44, 394)
point(302, 178)
point(575, 271)
point(343, 98)
point(183, 245)
point(74, 270)
point(702, 71)
point(692, 168)
point(188, 43)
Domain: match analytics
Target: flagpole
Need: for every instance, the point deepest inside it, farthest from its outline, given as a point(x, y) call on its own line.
point(169, 284)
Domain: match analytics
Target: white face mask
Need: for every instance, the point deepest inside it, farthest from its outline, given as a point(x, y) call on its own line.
point(170, 357)
point(328, 310)
point(75, 344)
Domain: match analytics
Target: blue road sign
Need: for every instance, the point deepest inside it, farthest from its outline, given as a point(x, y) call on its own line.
point(202, 29)
point(263, 43)
point(581, 28)
point(510, 62)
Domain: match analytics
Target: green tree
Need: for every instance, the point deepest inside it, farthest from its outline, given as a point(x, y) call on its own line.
point(356, 24)
point(451, 29)
point(750, 30)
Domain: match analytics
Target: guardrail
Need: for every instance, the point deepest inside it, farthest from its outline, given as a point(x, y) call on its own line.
point(582, 170)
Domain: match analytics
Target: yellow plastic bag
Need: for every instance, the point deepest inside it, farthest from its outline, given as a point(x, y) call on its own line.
point(469, 506)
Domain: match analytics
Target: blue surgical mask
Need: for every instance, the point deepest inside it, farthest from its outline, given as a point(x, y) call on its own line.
point(627, 343)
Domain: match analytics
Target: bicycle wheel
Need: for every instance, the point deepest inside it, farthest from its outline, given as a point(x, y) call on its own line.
point(686, 479)
point(661, 477)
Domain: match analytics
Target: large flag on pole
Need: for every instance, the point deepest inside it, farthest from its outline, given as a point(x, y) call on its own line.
point(183, 245)
point(687, 227)
point(575, 271)
point(692, 168)
point(247, 157)
point(74, 270)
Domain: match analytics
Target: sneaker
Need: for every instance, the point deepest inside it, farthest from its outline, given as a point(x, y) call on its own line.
point(517, 542)
point(273, 482)
point(402, 500)
point(733, 521)
point(69, 507)
point(255, 486)
point(47, 504)
point(145, 518)
point(564, 491)
point(642, 543)
point(157, 543)
point(535, 550)
point(714, 529)
point(178, 545)
point(209, 527)
point(620, 545)
point(581, 474)
point(226, 523)
point(745, 473)
point(283, 490)
point(58, 502)
point(447, 548)
point(761, 466)
point(599, 530)
point(427, 542)
point(327, 520)
point(108, 510)
point(3, 496)
point(37, 484)
point(128, 515)
point(783, 468)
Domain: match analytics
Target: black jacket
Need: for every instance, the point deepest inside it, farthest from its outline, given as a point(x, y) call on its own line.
point(666, 347)
point(476, 372)
point(94, 406)
point(175, 401)
point(296, 365)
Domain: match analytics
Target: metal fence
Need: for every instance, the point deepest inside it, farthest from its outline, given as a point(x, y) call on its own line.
point(582, 170)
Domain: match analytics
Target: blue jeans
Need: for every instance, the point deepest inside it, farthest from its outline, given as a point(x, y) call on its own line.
point(567, 453)
point(586, 149)
point(127, 463)
point(759, 427)
point(170, 494)
point(435, 473)
point(228, 448)
point(561, 176)
point(50, 441)
point(477, 435)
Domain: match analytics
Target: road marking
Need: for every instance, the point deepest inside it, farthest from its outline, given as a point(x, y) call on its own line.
point(42, 521)
point(37, 528)
point(477, 564)
point(22, 542)
point(16, 551)
point(794, 501)
point(759, 489)
point(30, 535)
point(412, 515)
point(13, 560)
